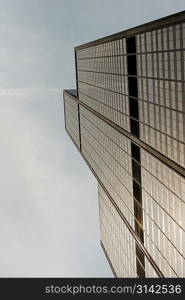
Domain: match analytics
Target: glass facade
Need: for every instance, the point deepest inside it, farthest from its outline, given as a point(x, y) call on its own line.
point(160, 64)
point(128, 121)
point(163, 214)
point(102, 80)
point(108, 153)
point(116, 238)
point(72, 118)
point(118, 241)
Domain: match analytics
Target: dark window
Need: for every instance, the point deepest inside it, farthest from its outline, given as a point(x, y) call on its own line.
point(140, 270)
point(137, 191)
point(132, 85)
point(134, 127)
point(140, 255)
point(135, 150)
point(131, 63)
point(138, 220)
point(133, 105)
point(136, 171)
point(138, 215)
point(131, 45)
point(140, 263)
point(139, 232)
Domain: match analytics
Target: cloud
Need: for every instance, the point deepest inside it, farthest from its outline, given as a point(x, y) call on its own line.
point(44, 207)
point(37, 37)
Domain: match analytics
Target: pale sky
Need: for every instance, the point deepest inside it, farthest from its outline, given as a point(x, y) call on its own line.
point(49, 223)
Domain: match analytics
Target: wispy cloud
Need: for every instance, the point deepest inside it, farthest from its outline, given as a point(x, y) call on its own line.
point(44, 207)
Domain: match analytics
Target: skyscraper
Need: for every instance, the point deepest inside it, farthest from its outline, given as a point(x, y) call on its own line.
point(127, 119)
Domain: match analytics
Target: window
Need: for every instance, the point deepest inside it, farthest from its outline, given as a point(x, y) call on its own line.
point(133, 105)
point(135, 152)
point(131, 45)
point(131, 62)
point(136, 171)
point(137, 191)
point(132, 84)
point(134, 127)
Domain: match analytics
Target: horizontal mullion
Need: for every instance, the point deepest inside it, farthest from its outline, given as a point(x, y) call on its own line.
point(107, 73)
point(104, 56)
point(167, 161)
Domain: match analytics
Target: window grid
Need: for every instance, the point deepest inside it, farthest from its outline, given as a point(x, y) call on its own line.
point(160, 60)
point(104, 165)
point(102, 82)
point(71, 118)
point(163, 215)
point(118, 241)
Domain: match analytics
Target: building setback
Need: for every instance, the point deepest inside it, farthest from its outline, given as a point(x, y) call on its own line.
point(127, 119)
